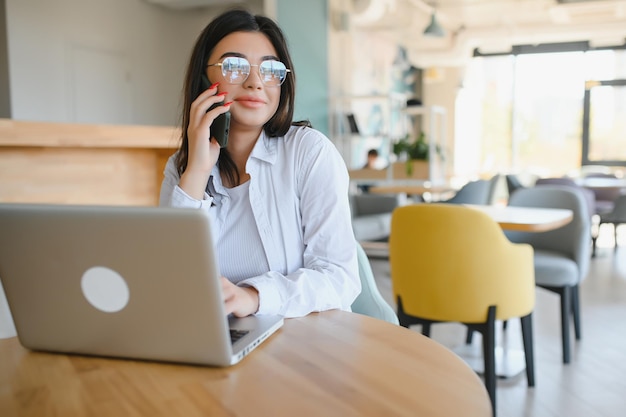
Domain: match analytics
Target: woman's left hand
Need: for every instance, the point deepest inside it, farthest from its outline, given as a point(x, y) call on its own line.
point(240, 301)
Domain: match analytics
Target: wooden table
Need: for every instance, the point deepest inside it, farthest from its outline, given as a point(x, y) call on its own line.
point(526, 219)
point(601, 182)
point(410, 189)
point(523, 219)
point(427, 192)
point(328, 364)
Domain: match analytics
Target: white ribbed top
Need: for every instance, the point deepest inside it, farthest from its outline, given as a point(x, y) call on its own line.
point(240, 251)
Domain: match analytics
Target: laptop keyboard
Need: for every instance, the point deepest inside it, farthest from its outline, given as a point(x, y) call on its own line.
point(237, 334)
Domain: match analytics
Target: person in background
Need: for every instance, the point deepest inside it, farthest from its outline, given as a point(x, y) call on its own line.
point(277, 193)
point(372, 158)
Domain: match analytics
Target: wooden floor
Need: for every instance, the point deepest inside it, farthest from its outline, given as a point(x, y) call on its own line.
point(594, 383)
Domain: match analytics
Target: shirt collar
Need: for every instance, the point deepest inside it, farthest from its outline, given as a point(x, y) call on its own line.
point(265, 149)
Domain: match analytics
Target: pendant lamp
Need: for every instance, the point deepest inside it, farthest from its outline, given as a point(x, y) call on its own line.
point(434, 29)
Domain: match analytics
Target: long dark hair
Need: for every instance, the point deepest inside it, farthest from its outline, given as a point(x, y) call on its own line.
point(235, 20)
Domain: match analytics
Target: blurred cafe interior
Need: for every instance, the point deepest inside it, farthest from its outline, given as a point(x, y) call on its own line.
point(465, 102)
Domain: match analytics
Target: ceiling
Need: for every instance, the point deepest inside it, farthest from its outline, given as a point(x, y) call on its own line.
point(489, 25)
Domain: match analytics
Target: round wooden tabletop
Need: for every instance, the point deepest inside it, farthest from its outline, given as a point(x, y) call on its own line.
point(526, 219)
point(324, 364)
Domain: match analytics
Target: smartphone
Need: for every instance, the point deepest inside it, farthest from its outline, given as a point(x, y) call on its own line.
point(221, 124)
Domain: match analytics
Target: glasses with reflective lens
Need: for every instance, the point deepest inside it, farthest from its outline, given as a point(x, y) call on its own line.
point(236, 70)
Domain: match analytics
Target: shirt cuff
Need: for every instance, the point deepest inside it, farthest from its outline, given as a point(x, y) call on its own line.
point(269, 296)
point(181, 199)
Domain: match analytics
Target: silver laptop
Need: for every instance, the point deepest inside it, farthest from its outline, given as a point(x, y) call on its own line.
point(131, 282)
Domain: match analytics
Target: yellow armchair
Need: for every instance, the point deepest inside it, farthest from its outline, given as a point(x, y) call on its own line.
point(452, 263)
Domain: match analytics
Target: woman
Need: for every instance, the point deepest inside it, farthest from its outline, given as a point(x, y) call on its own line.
point(277, 194)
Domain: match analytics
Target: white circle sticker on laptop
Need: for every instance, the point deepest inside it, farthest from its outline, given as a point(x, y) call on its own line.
point(105, 289)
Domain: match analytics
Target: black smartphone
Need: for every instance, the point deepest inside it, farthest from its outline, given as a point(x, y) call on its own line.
point(221, 124)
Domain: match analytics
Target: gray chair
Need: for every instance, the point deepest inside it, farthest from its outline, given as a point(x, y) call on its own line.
point(475, 192)
point(604, 196)
point(561, 256)
point(616, 217)
point(370, 302)
point(590, 197)
point(371, 215)
point(512, 183)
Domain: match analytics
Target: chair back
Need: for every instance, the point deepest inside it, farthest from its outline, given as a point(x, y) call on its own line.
point(589, 196)
point(476, 192)
point(366, 204)
point(370, 302)
point(605, 196)
point(556, 181)
point(493, 186)
point(451, 262)
point(572, 239)
point(618, 214)
point(513, 183)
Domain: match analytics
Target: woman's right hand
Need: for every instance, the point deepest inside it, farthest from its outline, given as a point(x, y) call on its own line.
point(240, 301)
point(203, 149)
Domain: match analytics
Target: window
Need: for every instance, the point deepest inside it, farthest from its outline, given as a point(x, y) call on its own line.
point(525, 112)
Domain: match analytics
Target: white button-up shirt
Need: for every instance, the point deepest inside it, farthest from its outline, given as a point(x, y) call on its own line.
point(299, 197)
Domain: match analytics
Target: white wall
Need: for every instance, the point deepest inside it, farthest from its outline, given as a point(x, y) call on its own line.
point(441, 88)
point(66, 57)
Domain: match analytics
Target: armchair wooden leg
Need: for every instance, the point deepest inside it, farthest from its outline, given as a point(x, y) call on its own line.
point(527, 337)
point(576, 310)
point(566, 308)
point(594, 241)
point(489, 355)
point(407, 321)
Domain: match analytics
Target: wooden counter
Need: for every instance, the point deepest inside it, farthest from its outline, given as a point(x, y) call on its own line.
point(44, 162)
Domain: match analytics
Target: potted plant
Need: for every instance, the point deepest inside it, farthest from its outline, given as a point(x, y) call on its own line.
point(411, 152)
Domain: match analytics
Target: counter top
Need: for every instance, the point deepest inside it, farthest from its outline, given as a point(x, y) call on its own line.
point(66, 135)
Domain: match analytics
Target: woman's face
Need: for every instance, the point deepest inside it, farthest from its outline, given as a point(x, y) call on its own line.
point(254, 103)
